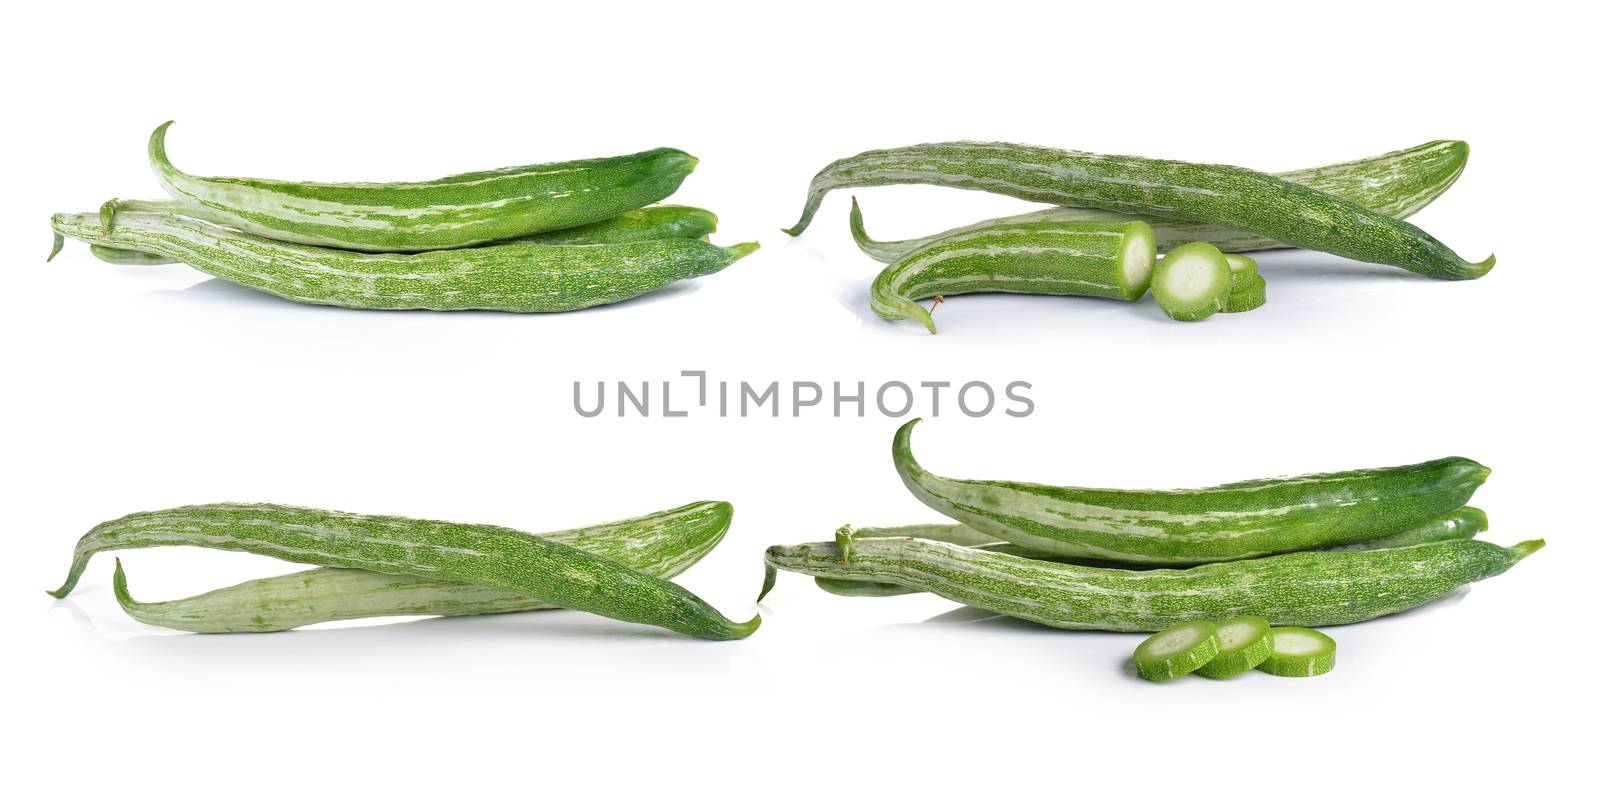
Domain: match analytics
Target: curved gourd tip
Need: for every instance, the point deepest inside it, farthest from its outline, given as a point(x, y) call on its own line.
point(746, 629)
point(119, 585)
point(158, 148)
point(1522, 550)
point(893, 306)
point(1475, 270)
point(858, 225)
point(56, 245)
point(902, 444)
point(738, 251)
point(768, 580)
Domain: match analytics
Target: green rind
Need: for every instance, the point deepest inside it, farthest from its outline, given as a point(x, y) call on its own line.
point(1296, 589)
point(1152, 667)
point(1045, 258)
point(115, 256)
point(657, 222)
point(1242, 270)
point(483, 555)
point(1224, 195)
point(502, 277)
point(662, 544)
point(451, 212)
point(1175, 527)
point(1397, 184)
point(1243, 657)
point(861, 588)
point(1464, 523)
point(1247, 296)
point(1300, 665)
point(1188, 308)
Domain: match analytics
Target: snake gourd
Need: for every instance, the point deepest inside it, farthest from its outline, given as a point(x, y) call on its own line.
point(483, 555)
point(663, 544)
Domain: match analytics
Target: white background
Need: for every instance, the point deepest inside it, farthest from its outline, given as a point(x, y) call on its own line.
point(130, 389)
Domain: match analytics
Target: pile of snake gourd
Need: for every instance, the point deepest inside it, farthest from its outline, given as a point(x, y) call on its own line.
point(378, 565)
point(538, 238)
point(1129, 224)
point(1239, 572)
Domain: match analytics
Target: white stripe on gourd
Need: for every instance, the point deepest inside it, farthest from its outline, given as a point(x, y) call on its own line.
point(451, 212)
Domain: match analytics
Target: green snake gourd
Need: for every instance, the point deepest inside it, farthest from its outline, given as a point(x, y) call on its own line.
point(455, 211)
point(1300, 589)
point(1101, 259)
point(1397, 184)
point(1244, 199)
point(1177, 527)
point(483, 555)
point(662, 544)
point(513, 277)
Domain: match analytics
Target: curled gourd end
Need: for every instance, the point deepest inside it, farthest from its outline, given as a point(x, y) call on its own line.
point(767, 582)
point(1475, 270)
point(740, 631)
point(119, 585)
point(158, 149)
point(858, 225)
point(56, 244)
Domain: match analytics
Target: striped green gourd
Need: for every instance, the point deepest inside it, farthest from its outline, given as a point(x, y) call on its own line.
point(1464, 523)
point(451, 212)
point(1395, 184)
point(1101, 259)
point(501, 277)
point(483, 555)
point(1301, 589)
point(1247, 200)
point(663, 544)
point(1176, 527)
point(656, 222)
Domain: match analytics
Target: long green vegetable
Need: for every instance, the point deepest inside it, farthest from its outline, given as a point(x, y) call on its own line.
point(1222, 523)
point(1302, 589)
point(503, 277)
point(456, 211)
point(483, 555)
point(1102, 259)
point(662, 544)
point(1464, 523)
point(1215, 194)
point(657, 222)
point(1396, 184)
point(654, 223)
